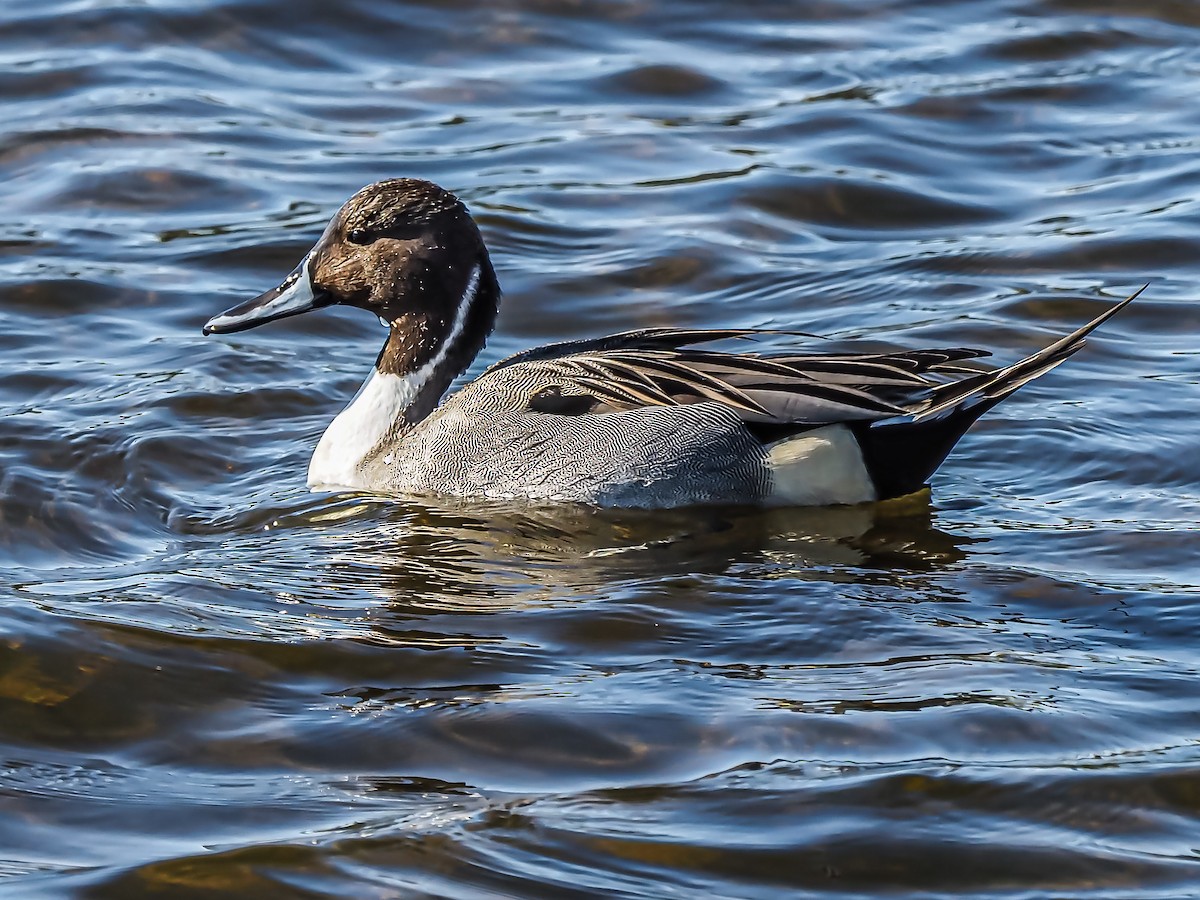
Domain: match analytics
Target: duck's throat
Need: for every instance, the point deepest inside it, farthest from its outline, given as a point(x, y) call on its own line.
point(421, 358)
point(425, 351)
point(357, 431)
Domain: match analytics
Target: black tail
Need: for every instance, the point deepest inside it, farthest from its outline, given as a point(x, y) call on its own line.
point(901, 454)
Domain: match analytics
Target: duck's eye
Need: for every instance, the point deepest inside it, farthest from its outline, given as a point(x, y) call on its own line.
point(359, 236)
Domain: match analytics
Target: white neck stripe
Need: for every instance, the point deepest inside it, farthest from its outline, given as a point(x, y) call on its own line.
point(419, 377)
point(374, 411)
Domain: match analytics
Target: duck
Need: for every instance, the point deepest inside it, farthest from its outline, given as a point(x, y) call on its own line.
point(647, 418)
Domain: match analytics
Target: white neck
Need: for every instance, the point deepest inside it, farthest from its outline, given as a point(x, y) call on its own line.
point(373, 413)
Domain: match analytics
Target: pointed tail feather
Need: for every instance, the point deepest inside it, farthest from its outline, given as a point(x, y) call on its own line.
point(901, 454)
point(995, 386)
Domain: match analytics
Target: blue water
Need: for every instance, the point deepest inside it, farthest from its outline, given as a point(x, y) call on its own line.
point(215, 684)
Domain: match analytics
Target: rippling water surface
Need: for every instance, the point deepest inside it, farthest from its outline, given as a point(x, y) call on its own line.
point(215, 684)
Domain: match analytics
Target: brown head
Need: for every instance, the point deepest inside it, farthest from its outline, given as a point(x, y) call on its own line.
point(407, 251)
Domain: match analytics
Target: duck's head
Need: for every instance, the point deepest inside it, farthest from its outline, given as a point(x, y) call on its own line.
point(405, 250)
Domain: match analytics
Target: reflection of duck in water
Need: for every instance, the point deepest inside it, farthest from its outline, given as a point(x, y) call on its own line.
point(637, 419)
point(441, 556)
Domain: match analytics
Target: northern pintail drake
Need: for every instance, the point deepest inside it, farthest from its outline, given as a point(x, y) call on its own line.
point(637, 419)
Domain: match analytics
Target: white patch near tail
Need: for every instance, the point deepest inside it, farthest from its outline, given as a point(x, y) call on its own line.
point(822, 467)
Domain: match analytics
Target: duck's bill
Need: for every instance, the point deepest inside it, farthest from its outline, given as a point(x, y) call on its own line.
point(294, 295)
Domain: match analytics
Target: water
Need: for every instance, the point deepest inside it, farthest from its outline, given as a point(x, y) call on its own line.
point(213, 683)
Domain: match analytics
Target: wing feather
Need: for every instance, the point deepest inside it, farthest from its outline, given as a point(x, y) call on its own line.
point(776, 394)
point(659, 367)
